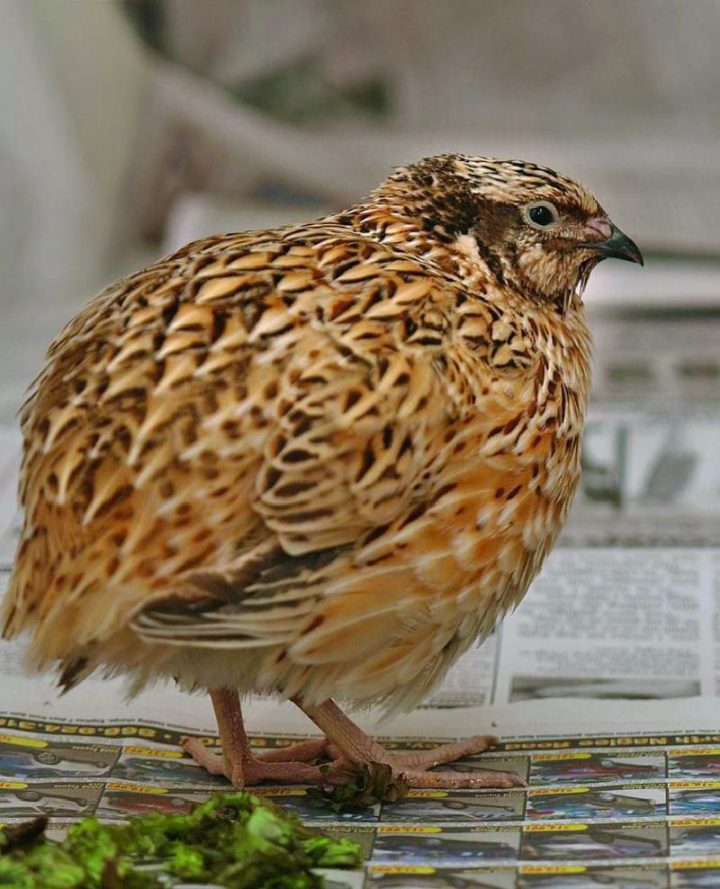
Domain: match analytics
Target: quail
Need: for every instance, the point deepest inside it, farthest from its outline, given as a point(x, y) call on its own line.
point(317, 462)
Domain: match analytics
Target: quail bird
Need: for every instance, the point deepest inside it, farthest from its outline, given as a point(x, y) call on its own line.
point(319, 461)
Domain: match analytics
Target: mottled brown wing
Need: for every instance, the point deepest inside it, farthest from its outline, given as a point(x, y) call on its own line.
point(207, 405)
point(349, 454)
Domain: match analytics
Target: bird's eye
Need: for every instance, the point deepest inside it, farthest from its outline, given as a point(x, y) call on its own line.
point(541, 214)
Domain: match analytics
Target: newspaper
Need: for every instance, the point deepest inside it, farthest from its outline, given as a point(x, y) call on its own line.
point(601, 686)
point(617, 809)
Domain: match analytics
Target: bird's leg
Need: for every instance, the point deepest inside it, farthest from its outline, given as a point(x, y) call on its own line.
point(357, 748)
point(345, 742)
point(239, 764)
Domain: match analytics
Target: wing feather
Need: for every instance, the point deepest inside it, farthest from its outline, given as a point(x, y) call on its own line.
point(246, 391)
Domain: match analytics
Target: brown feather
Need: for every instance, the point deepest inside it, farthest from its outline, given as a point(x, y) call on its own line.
point(320, 459)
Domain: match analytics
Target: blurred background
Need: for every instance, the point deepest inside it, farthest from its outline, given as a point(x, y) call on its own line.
point(129, 128)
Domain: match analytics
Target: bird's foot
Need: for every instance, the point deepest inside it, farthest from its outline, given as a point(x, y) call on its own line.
point(414, 773)
point(302, 751)
point(287, 765)
point(414, 766)
point(444, 753)
point(421, 778)
point(356, 749)
point(294, 765)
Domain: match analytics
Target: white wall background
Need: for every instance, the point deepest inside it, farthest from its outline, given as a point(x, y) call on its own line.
point(110, 151)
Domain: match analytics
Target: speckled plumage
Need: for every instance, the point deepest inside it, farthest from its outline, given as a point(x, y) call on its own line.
point(321, 460)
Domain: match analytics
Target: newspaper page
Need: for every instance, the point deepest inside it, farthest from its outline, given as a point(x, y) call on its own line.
point(620, 809)
point(601, 688)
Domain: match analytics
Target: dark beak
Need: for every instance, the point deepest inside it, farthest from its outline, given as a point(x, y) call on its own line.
point(618, 245)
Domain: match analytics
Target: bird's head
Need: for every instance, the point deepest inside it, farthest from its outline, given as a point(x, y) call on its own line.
point(532, 229)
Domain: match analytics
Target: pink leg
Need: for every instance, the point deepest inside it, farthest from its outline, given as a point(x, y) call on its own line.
point(444, 753)
point(302, 751)
point(238, 763)
point(358, 748)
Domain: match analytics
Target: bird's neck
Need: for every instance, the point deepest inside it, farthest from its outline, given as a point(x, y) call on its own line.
point(397, 222)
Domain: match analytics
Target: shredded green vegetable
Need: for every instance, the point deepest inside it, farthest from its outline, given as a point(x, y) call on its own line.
point(234, 840)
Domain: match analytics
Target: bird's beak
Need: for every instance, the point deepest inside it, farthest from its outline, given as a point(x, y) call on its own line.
point(615, 243)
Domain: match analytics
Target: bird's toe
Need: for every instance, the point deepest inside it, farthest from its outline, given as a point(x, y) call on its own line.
point(461, 780)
